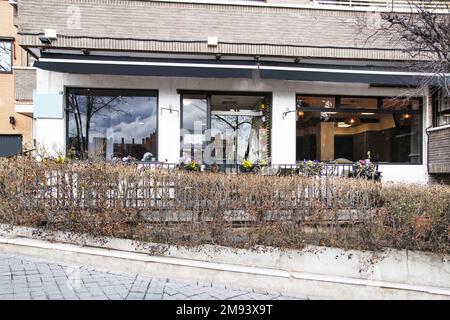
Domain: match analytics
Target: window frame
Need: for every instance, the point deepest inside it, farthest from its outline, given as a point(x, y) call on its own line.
point(378, 110)
point(151, 93)
point(11, 41)
point(209, 93)
point(338, 107)
point(435, 93)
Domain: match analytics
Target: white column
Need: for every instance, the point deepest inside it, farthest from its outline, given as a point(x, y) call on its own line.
point(283, 127)
point(50, 133)
point(427, 122)
point(168, 125)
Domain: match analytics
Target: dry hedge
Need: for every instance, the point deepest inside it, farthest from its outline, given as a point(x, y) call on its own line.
point(192, 208)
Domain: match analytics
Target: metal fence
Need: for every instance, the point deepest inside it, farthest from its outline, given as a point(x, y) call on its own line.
point(328, 169)
point(173, 189)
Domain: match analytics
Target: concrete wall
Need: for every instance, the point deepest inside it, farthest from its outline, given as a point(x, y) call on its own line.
point(51, 133)
point(23, 123)
point(314, 271)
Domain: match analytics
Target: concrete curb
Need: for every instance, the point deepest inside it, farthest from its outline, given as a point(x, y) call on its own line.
point(297, 284)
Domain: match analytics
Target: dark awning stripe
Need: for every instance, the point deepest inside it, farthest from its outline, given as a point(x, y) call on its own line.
point(336, 75)
point(147, 69)
point(224, 69)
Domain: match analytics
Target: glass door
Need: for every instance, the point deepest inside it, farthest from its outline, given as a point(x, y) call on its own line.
point(236, 138)
point(225, 128)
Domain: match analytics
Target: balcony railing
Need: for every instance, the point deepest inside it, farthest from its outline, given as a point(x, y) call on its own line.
point(384, 4)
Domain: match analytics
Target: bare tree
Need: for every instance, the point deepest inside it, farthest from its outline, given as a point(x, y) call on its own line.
point(83, 115)
point(422, 31)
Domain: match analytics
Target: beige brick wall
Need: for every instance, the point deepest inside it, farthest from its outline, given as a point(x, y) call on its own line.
point(440, 178)
point(439, 151)
point(241, 29)
point(24, 84)
point(7, 102)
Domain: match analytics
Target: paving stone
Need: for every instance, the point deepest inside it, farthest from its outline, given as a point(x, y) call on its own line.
point(177, 296)
point(22, 296)
point(135, 296)
point(157, 286)
point(38, 296)
point(70, 297)
point(109, 290)
point(6, 290)
point(114, 297)
point(203, 296)
point(153, 296)
point(23, 277)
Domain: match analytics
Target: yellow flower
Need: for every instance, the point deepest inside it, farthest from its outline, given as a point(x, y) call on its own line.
point(60, 159)
point(262, 162)
point(247, 164)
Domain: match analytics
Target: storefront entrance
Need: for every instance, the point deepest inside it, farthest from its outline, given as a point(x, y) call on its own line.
point(239, 136)
point(225, 129)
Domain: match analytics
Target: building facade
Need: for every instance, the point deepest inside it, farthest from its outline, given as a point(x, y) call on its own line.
point(224, 81)
point(14, 123)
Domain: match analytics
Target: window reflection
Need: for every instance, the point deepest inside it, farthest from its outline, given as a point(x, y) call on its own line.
point(441, 103)
point(195, 111)
point(346, 135)
point(358, 103)
point(401, 104)
point(225, 128)
point(112, 123)
point(5, 56)
point(315, 102)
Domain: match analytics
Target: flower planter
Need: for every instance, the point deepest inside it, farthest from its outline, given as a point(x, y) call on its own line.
point(246, 170)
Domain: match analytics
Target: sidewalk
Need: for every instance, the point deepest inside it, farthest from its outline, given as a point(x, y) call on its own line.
point(24, 277)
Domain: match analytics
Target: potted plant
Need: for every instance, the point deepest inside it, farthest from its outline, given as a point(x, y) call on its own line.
point(247, 165)
point(192, 166)
point(366, 169)
point(128, 159)
point(311, 168)
point(261, 166)
point(262, 163)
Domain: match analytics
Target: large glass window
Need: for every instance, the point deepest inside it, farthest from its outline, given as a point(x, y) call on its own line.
point(225, 128)
point(194, 125)
point(441, 106)
point(27, 60)
point(316, 102)
point(410, 104)
point(391, 131)
point(112, 123)
point(239, 128)
point(5, 56)
point(358, 103)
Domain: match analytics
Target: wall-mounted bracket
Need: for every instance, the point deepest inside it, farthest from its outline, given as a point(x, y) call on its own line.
point(171, 109)
point(289, 111)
